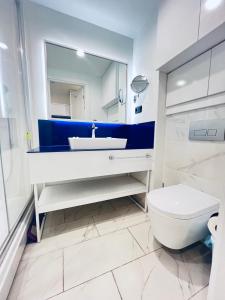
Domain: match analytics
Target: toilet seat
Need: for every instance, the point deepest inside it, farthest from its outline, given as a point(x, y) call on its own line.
point(182, 202)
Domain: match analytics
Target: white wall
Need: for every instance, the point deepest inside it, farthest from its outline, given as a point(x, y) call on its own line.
point(43, 24)
point(153, 99)
point(144, 55)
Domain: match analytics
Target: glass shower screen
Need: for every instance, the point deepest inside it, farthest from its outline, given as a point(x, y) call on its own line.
point(15, 189)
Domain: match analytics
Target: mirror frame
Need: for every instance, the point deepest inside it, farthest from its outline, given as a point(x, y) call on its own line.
point(139, 78)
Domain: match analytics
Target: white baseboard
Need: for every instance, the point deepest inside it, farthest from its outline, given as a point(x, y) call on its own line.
point(14, 252)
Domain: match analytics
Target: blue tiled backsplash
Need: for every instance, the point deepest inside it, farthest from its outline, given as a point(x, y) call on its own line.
point(56, 132)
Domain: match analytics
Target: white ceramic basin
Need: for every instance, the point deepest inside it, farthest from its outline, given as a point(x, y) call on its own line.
point(77, 143)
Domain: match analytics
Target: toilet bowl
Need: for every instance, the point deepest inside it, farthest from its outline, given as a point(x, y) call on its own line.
point(179, 215)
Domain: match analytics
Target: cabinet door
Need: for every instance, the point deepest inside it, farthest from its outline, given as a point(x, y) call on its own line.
point(217, 70)
point(212, 15)
point(178, 24)
point(190, 81)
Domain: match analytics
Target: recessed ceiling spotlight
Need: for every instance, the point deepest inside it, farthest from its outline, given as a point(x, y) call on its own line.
point(181, 82)
point(212, 4)
point(3, 46)
point(80, 53)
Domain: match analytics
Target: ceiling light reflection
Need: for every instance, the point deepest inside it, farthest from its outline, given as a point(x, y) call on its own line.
point(181, 82)
point(3, 46)
point(212, 4)
point(80, 53)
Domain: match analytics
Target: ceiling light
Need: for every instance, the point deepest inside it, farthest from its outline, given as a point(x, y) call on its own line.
point(3, 46)
point(212, 4)
point(80, 53)
point(181, 82)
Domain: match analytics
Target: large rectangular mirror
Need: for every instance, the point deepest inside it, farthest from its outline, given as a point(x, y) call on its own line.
point(85, 87)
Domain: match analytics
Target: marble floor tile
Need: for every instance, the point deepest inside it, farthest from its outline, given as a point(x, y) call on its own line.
point(39, 278)
point(121, 202)
point(198, 260)
point(54, 218)
point(117, 219)
point(85, 211)
point(95, 209)
point(163, 274)
point(202, 295)
point(85, 223)
point(85, 271)
point(62, 221)
point(100, 288)
point(71, 233)
point(67, 227)
point(89, 259)
point(143, 235)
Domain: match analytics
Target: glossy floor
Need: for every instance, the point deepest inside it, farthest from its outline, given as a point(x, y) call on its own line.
point(107, 251)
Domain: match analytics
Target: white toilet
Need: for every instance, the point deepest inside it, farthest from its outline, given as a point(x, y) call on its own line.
point(179, 215)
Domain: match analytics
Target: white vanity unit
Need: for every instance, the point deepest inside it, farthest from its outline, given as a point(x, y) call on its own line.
point(73, 178)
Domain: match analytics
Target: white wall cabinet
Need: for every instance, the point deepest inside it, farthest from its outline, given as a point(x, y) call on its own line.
point(109, 84)
point(60, 166)
point(217, 70)
point(212, 15)
point(178, 24)
point(190, 81)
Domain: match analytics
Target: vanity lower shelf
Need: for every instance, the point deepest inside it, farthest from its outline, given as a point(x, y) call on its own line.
point(72, 194)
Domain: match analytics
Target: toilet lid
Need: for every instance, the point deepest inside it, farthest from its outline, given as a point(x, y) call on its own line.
point(182, 202)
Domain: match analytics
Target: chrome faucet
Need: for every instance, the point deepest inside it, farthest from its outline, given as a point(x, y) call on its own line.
point(94, 128)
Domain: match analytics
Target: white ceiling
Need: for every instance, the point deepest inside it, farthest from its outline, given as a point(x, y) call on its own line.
point(65, 59)
point(126, 17)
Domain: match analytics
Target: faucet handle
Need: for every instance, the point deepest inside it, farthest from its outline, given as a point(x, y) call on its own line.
point(94, 128)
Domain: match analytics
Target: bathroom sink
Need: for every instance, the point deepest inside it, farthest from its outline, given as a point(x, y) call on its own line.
point(77, 143)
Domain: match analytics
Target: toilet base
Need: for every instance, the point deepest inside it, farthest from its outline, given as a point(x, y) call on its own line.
point(177, 233)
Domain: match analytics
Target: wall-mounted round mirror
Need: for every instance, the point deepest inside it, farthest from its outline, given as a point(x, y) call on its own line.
point(139, 84)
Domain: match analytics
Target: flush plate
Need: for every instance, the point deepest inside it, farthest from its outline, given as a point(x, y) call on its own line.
point(207, 130)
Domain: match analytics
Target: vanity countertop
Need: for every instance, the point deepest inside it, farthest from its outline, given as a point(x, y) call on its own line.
point(45, 149)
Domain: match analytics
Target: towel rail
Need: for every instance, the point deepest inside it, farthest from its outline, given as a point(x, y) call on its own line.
point(112, 157)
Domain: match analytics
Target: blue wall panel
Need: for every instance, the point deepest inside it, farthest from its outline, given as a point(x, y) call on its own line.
point(56, 132)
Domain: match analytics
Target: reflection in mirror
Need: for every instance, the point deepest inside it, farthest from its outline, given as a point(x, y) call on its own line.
point(85, 87)
point(139, 84)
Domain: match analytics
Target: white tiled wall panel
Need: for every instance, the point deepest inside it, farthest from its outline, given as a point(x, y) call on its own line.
point(199, 164)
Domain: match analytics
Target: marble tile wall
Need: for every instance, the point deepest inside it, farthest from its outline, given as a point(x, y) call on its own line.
point(195, 163)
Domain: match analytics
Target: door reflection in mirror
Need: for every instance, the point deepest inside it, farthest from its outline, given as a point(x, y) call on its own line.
point(85, 87)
